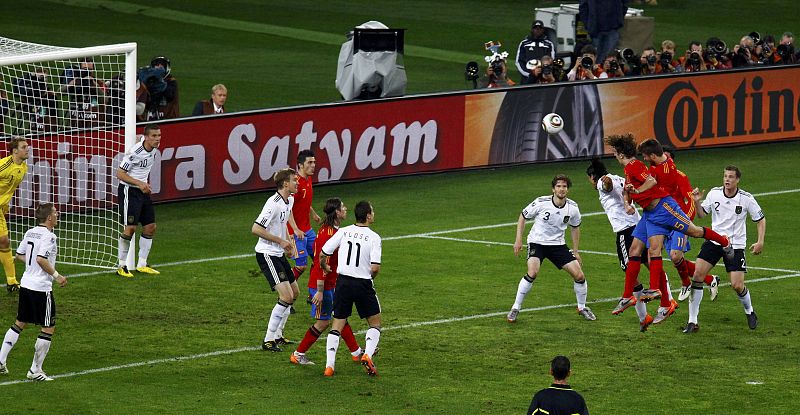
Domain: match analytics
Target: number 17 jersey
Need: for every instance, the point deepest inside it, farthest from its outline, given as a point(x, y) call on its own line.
point(359, 248)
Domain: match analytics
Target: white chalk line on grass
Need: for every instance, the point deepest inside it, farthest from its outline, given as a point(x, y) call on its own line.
point(391, 328)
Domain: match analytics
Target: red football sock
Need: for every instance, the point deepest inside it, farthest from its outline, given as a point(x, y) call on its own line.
point(656, 269)
point(683, 271)
point(349, 338)
point(312, 334)
point(708, 279)
point(631, 275)
point(710, 235)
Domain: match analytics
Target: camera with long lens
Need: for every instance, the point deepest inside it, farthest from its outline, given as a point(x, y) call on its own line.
point(627, 54)
point(652, 59)
point(756, 37)
point(547, 70)
point(694, 59)
point(497, 67)
point(666, 59)
point(784, 51)
point(587, 63)
point(613, 65)
point(471, 71)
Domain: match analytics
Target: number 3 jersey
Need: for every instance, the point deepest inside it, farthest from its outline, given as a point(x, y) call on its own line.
point(729, 213)
point(359, 248)
point(550, 221)
point(273, 217)
point(38, 242)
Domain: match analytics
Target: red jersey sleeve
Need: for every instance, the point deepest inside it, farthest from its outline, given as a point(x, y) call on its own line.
point(684, 196)
point(636, 173)
point(323, 235)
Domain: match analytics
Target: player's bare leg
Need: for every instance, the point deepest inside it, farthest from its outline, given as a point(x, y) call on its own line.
point(708, 234)
point(581, 288)
point(524, 287)
point(685, 269)
point(145, 244)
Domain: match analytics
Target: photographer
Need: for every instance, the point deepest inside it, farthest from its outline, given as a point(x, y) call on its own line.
point(765, 51)
point(648, 61)
point(86, 94)
point(586, 67)
point(163, 90)
point(693, 60)
point(613, 67)
point(786, 51)
point(36, 103)
point(535, 46)
point(667, 63)
point(496, 73)
point(542, 71)
point(716, 54)
point(742, 54)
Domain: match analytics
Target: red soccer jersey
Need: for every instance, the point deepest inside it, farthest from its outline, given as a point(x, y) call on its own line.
point(302, 203)
point(325, 233)
point(685, 194)
point(666, 175)
point(636, 173)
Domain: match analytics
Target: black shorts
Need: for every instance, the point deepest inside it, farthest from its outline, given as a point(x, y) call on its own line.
point(559, 255)
point(624, 241)
point(36, 307)
point(275, 268)
point(358, 291)
point(134, 206)
point(711, 253)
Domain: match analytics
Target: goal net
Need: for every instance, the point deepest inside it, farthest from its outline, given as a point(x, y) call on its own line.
point(76, 109)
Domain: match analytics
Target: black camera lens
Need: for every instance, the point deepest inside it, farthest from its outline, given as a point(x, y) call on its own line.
point(627, 54)
point(587, 62)
point(613, 65)
point(651, 59)
point(547, 70)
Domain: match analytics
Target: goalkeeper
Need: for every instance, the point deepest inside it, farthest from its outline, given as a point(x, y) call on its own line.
point(12, 171)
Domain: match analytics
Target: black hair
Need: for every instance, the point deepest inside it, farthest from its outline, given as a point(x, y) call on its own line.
point(651, 146)
point(150, 127)
point(669, 149)
point(560, 367)
point(561, 178)
point(733, 168)
point(363, 208)
point(597, 169)
point(331, 206)
point(303, 155)
point(43, 211)
point(624, 144)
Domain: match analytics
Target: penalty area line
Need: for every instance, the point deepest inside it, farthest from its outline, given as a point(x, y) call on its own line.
point(391, 328)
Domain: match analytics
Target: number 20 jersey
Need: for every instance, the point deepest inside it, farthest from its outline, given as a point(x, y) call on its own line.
point(359, 248)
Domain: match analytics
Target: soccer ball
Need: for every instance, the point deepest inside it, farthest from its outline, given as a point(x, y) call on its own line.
point(552, 123)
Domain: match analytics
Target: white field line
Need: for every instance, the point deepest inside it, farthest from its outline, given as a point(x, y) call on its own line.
point(400, 327)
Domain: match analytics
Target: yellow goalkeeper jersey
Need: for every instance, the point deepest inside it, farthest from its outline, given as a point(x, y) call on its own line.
point(11, 175)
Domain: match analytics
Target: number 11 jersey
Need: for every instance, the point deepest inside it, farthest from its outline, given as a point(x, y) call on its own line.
point(359, 248)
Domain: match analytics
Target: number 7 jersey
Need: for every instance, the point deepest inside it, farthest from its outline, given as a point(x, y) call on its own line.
point(38, 242)
point(359, 248)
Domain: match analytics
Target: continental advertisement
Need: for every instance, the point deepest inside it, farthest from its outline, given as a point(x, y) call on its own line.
point(239, 152)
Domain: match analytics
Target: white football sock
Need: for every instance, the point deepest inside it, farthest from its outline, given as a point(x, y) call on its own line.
point(12, 335)
point(745, 300)
point(522, 290)
point(275, 320)
point(357, 352)
point(669, 291)
point(42, 347)
point(640, 306)
point(330, 349)
point(124, 246)
point(694, 303)
point(371, 342)
point(581, 289)
point(286, 314)
point(145, 243)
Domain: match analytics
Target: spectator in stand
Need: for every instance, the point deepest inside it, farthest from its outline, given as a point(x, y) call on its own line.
point(215, 105)
point(603, 19)
point(164, 103)
point(693, 60)
point(586, 67)
point(534, 46)
point(613, 67)
point(667, 62)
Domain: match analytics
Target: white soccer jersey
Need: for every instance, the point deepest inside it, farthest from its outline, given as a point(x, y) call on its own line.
point(38, 242)
point(550, 221)
point(359, 248)
point(138, 162)
point(273, 218)
point(728, 213)
point(614, 204)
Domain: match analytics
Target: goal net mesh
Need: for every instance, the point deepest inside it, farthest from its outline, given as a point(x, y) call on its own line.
point(72, 113)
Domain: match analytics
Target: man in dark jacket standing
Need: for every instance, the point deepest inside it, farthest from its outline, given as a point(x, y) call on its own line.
point(534, 46)
point(603, 19)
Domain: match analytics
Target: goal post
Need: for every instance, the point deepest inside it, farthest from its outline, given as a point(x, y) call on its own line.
point(76, 107)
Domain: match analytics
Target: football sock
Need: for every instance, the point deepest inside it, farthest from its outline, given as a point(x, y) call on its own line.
point(713, 236)
point(694, 301)
point(296, 271)
point(124, 247)
point(708, 279)
point(580, 288)
point(8, 342)
point(275, 319)
point(312, 334)
point(8, 266)
point(371, 341)
point(683, 271)
point(330, 349)
point(640, 306)
point(631, 275)
point(282, 324)
point(524, 287)
point(42, 347)
point(656, 273)
point(145, 243)
point(744, 298)
point(350, 339)
point(666, 293)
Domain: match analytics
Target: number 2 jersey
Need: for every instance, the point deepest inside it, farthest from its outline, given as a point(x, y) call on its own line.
point(729, 213)
point(359, 248)
point(38, 242)
point(550, 221)
point(324, 234)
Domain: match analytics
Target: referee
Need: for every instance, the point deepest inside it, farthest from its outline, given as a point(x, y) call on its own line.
point(559, 398)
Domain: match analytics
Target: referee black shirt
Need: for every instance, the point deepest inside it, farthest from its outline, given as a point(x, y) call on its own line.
point(558, 400)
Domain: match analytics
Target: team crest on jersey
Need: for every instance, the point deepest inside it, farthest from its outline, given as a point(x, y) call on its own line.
point(131, 220)
point(566, 219)
point(738, 210)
